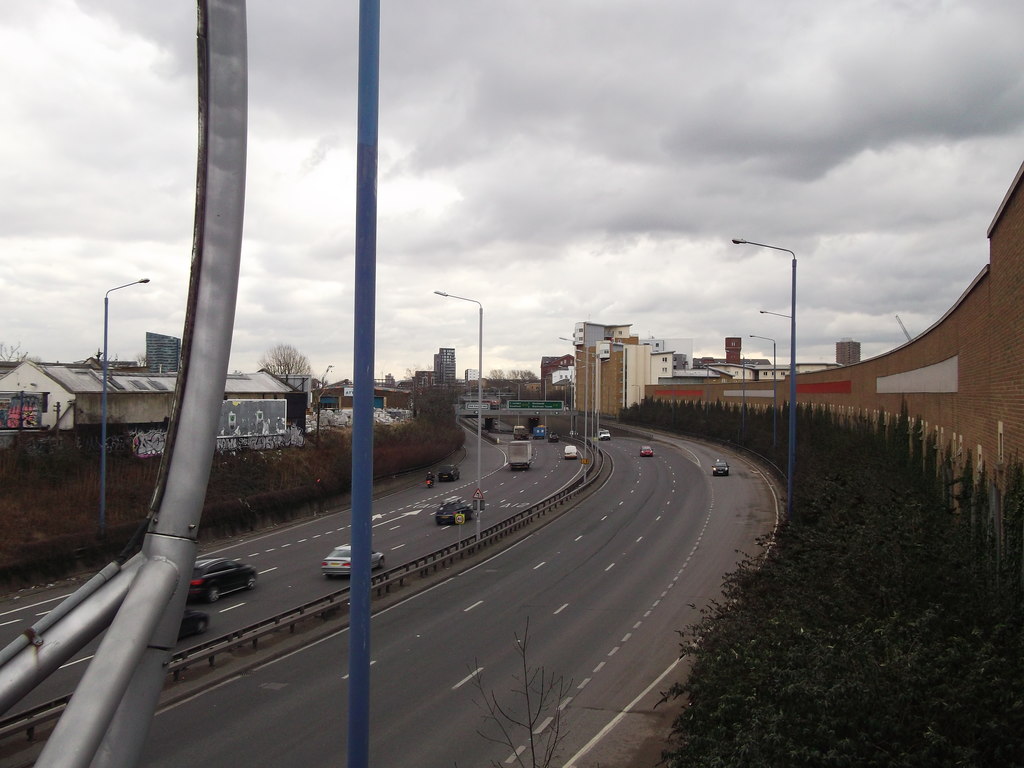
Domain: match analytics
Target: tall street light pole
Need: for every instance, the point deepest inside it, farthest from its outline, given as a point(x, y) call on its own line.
point(792, 374)
point(479, 405)
point(775, 386)
point(103, 407)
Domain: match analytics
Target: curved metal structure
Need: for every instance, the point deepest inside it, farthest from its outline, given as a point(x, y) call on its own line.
point(142, 597)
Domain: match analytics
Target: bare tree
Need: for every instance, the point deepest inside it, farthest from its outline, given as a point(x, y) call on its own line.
point(521, 374)
point(534, 716)
point(12, 354)
point(285, 360)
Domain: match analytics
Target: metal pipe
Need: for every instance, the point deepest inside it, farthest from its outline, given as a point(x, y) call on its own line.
point(358, 743)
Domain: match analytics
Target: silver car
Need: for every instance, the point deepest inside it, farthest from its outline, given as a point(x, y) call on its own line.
point(339, 562)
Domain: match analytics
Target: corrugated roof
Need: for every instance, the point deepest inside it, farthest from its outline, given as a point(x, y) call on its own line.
point(84, 379)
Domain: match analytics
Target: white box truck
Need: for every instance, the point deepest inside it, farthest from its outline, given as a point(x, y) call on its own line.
point(520, 454)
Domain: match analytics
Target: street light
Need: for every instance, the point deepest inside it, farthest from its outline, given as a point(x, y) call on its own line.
point(775, 384)
point(479, 405)
point(103, 407)
point(589, 396)
point(792, 372)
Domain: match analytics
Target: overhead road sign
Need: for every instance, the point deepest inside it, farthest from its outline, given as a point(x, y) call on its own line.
point(536, 405)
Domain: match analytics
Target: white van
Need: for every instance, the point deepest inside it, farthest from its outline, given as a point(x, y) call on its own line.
point(604, 434)
point(571, 452)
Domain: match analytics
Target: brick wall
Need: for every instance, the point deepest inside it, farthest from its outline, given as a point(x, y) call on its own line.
point(980, 339)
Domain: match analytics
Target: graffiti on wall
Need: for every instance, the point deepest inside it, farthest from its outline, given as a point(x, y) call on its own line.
point(245, 425)
point(19, 410)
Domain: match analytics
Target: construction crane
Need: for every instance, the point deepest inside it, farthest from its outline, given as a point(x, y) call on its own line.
point(903, 327)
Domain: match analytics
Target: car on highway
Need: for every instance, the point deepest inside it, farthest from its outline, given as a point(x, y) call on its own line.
point(553, 437)
point(571, 452)
point(449, 510)
point(604, 434)
point(448, 473)
point(646, 450)
point(339, 561)
point(218, 576)
point(720, 467)
point(193, 623)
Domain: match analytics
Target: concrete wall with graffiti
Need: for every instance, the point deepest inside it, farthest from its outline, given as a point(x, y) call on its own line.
point(21, 410)
point(244, 425)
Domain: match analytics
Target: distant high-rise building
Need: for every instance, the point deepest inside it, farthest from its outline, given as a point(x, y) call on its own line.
point(444, 366)
point(847, 352)
point(163, 353)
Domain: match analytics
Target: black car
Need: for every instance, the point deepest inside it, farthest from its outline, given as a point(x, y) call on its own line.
point(218, 576)
point(450, 509)
point(553, 437)
point(449, 472)
point(720, 467)
point(193, 623)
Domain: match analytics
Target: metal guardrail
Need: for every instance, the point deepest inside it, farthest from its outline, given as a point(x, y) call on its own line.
point(29, 720)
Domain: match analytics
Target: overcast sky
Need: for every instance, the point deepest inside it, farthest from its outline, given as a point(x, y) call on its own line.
point(559, 161)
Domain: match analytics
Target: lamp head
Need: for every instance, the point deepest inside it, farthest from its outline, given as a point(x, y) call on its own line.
point(440, 293)
point(737, 241)
point(144, 280)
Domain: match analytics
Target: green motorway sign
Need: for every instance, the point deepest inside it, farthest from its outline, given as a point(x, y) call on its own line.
point(537, 405)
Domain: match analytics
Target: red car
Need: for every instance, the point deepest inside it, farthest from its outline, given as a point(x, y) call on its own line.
point(646, 451)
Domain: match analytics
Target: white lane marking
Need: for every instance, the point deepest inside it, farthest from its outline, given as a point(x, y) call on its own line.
point(613, 651)
point(33, 605)
point(560, 609)
point(231, 608)
point(610, 566)
point(626, 637)
point(598, 668)
point(398, 546)
point(565, 703)
point(474, 605)
point(577, 538)
point(268, 570)
point(467, 678)
point(546, 722)
point(76, 661)
point(541, 564)
point(583, 684)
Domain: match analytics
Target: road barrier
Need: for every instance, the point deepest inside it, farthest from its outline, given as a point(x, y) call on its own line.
point(29, 721)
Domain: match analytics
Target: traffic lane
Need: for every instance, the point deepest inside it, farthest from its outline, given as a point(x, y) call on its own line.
point(288, 560)
point(581, 616)
point(19, 609)
point(426, 650)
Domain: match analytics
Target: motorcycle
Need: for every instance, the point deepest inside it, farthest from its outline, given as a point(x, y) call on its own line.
point(430, 482)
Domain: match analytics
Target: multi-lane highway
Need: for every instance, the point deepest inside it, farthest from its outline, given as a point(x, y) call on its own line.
point(288, 560)
point(603, 591)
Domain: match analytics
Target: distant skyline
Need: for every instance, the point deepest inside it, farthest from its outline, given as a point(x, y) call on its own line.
point(558, 162)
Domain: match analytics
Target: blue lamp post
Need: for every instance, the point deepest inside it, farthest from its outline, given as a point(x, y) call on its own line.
point(792, 374)
point(103, 407)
